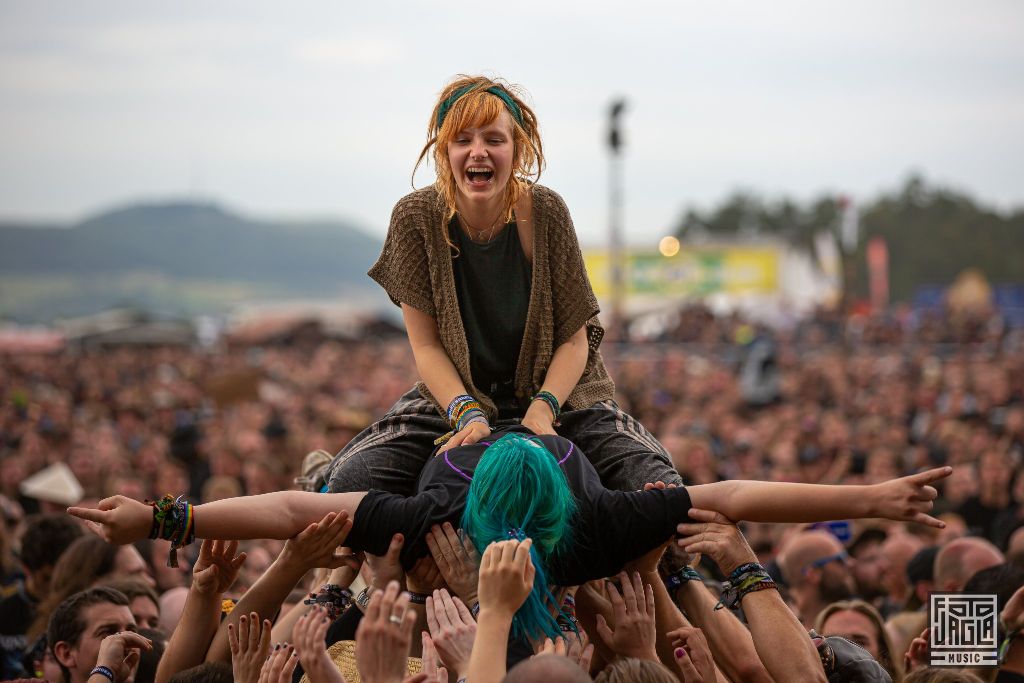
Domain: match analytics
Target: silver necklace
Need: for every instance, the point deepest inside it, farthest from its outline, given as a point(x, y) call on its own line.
point(474, 233)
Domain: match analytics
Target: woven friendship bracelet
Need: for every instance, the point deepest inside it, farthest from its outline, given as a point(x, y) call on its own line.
point(174, 521)
point(754, 578)
point(675, 580)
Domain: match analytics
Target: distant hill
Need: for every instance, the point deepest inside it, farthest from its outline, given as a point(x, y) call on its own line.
point(179, 258)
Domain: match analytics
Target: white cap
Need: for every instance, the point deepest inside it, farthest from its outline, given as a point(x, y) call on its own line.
point(55, 484)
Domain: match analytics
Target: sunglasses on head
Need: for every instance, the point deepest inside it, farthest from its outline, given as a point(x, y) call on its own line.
point(841, 556)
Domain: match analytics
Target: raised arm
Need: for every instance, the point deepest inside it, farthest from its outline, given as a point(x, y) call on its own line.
point(280, 515)
point(905, 499)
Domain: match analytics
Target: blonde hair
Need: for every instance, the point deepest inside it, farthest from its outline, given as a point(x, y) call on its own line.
point(633, 670)
point(474, 108)
point(885, 649)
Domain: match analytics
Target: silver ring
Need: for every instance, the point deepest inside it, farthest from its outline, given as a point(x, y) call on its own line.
point(395, 619)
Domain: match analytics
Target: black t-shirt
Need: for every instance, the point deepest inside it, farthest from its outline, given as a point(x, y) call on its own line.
point(610, 527)
point(492, 283)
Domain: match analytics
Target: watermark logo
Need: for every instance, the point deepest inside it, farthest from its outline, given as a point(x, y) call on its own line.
point(963, 629)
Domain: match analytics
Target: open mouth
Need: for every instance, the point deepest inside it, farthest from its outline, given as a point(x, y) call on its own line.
point(479, 175)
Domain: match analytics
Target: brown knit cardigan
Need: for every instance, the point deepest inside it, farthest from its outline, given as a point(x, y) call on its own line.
point(415, 268)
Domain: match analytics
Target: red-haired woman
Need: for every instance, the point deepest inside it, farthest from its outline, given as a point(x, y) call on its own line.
point(499, 311)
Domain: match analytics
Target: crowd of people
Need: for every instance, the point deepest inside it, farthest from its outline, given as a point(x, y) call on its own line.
point(516, 514)
point(145, 422)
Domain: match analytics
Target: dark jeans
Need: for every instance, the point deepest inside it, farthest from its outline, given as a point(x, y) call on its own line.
point(389, 454)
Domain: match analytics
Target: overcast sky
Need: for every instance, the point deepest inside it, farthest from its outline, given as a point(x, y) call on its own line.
point(320, 108)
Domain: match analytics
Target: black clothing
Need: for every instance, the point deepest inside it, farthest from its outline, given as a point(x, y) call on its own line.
point(610, 527)
point(492, 283)
point(17, 612)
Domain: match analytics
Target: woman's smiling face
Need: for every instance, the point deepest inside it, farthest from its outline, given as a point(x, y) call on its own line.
point(481, 160)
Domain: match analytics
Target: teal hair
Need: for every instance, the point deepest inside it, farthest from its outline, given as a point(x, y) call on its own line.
point(519, 491)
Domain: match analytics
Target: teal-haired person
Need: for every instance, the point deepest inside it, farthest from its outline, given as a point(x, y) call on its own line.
point(515, 487)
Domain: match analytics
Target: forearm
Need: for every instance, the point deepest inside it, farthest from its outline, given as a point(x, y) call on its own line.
point(280, 515)
point(567, 366)
point(781, 642)
point(282, 631)
point(666, 615)
point(192, 635)
point(264, 598)
point(438, 372)
point(731, 644)
point(490, 648)
point(778, 502)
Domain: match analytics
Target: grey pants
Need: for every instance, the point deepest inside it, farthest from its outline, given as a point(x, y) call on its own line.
point(389, 454)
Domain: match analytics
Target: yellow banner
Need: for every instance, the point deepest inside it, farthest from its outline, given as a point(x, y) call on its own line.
point(696, 271)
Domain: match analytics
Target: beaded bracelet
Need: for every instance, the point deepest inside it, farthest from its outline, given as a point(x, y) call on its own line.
point(463, 411)
point(174, 521)
point(549, 398)
point(332, 598)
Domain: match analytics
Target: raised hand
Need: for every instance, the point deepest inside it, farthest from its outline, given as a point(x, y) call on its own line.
point(917, 654)
point(633, 634)
point(117, 519)
point(387, 567)
point(250, 645)
point(384, 636)
point(909, 499)
point(217, 567)
point(318, 545)
point(457, 560)
point(120, 652)
point(424, 576)
point(279, 665)
point(452, 631)
point(308, 634)
point(693, 656)
point(431, 667)
point(506, 576)
point(715, 535)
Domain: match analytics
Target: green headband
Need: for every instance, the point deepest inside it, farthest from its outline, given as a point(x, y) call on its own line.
point(495, 90)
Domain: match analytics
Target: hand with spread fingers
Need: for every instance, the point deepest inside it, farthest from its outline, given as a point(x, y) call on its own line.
point(217, 567)
point(909, 499)
point(693, 656)
point(452, 630)
point(280, 665)
point(309, 633)
point(384, 636)
point(716, 536)
point(118, 519)
point(633, 633)
point(319, 544)
point(250, 645)
point(506, 577)
point(457, 559)
point(120, 652)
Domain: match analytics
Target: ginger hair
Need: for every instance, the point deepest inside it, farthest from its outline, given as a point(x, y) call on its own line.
point(475, 109)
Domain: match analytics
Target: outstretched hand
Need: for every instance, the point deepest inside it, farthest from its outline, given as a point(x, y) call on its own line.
point(909, 499)
point(506, 577)
point(118, 519)
point(634, 632)
point(217, 567)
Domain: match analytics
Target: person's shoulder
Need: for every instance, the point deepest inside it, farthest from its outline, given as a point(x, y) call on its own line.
point(546, 197)
point(425, 201)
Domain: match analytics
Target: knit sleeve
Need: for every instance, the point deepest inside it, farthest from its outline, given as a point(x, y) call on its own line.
point(572, 296)
point(403, 266)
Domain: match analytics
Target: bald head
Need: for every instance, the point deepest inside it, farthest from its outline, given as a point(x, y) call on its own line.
point(548, 668)
point(962, 558)
point(803, 549)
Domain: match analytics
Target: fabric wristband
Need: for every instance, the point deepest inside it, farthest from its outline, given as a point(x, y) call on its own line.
point(104, 671)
